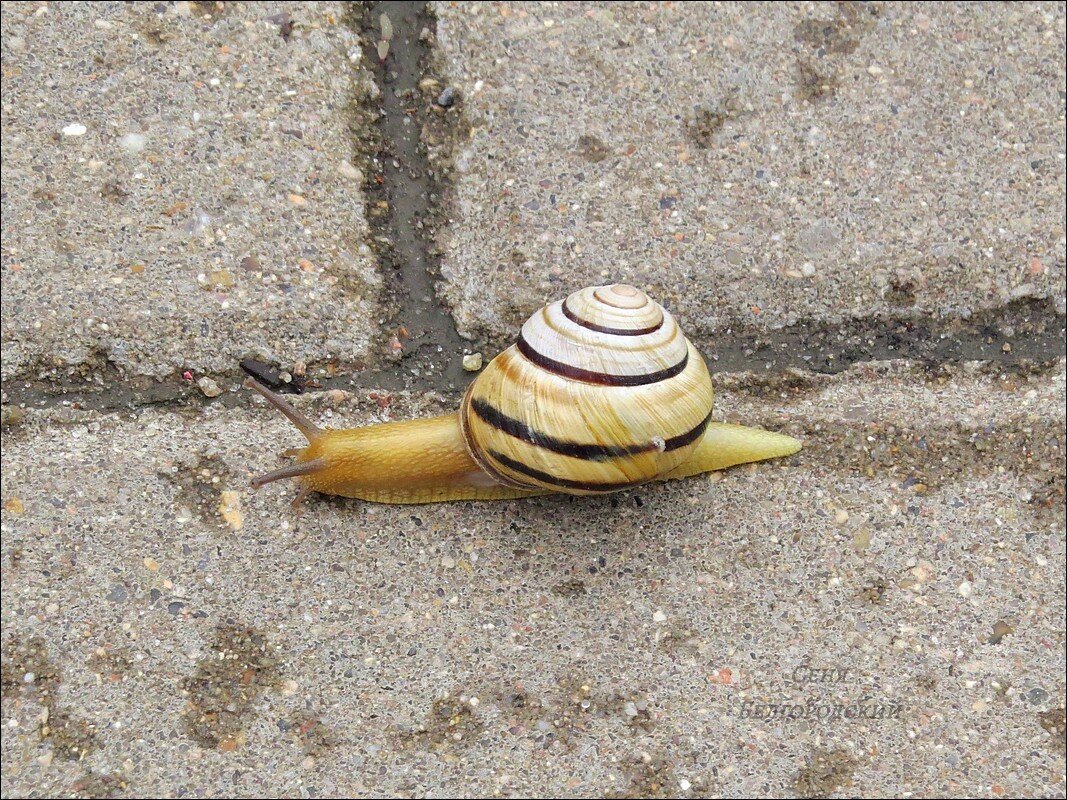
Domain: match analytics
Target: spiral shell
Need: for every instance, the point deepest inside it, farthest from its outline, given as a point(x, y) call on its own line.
point(601, 392)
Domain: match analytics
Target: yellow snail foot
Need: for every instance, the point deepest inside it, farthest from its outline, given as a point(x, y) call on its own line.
point(726, 445)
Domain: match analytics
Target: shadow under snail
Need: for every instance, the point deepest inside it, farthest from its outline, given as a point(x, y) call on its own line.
point(601, 392)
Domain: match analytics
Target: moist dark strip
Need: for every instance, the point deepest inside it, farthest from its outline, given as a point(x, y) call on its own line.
point(590, 452)
point(604, 329)
point(563, 483)
point(601, 378)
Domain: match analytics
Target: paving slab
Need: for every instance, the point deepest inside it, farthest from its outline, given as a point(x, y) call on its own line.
point(180, 189)
point(881, 613)
point(755, 166)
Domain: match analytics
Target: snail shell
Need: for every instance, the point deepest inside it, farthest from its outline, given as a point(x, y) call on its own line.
point(601, 391)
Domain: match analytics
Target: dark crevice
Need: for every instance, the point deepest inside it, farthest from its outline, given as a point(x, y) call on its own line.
point(403, 196)
point(1023, 331)
point(1022, 337)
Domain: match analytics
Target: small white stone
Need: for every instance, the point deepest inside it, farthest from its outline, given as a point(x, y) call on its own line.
point(659, 616)
point(874, 69)
point(684, 785)
point(807, 269)
point(472, 362)
point(349, 170)
point(966, 589)
point(75, 129)
point(132, 142)
point(209, 387)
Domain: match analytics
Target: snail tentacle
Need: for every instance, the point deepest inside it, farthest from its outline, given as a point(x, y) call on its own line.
point(297, 470)
point(310, 430)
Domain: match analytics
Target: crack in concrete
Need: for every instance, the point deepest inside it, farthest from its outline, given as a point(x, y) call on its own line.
point(1019, 337)
point(1023, 331)
point(402, 194)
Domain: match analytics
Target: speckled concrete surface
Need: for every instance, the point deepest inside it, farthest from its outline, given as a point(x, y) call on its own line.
point(179, 189)
point(756, 165)
point(880, 614)
point(552, 646)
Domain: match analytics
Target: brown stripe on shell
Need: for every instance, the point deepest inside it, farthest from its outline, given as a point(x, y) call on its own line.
point(550, 323)
point(589, 452)
point(601, 378)
point(562, 483)
point(690, 436)
point(610, 331)
point(474, 452)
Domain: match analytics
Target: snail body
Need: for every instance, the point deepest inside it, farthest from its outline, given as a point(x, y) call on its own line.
point(601, 392)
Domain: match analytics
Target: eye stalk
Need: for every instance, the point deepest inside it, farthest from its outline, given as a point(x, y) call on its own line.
point(310, 430)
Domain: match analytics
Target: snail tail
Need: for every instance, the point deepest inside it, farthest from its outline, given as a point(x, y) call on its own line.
point(725, 445)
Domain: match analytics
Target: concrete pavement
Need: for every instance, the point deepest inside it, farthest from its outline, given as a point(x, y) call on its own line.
point(880, 614)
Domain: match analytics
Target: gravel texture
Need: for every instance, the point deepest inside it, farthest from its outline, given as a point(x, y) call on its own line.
point(179, 187)
point(881, 614)
point(200, 639)
point(756, 166)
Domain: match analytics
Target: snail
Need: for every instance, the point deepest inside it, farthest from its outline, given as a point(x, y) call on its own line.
point(601, 392)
